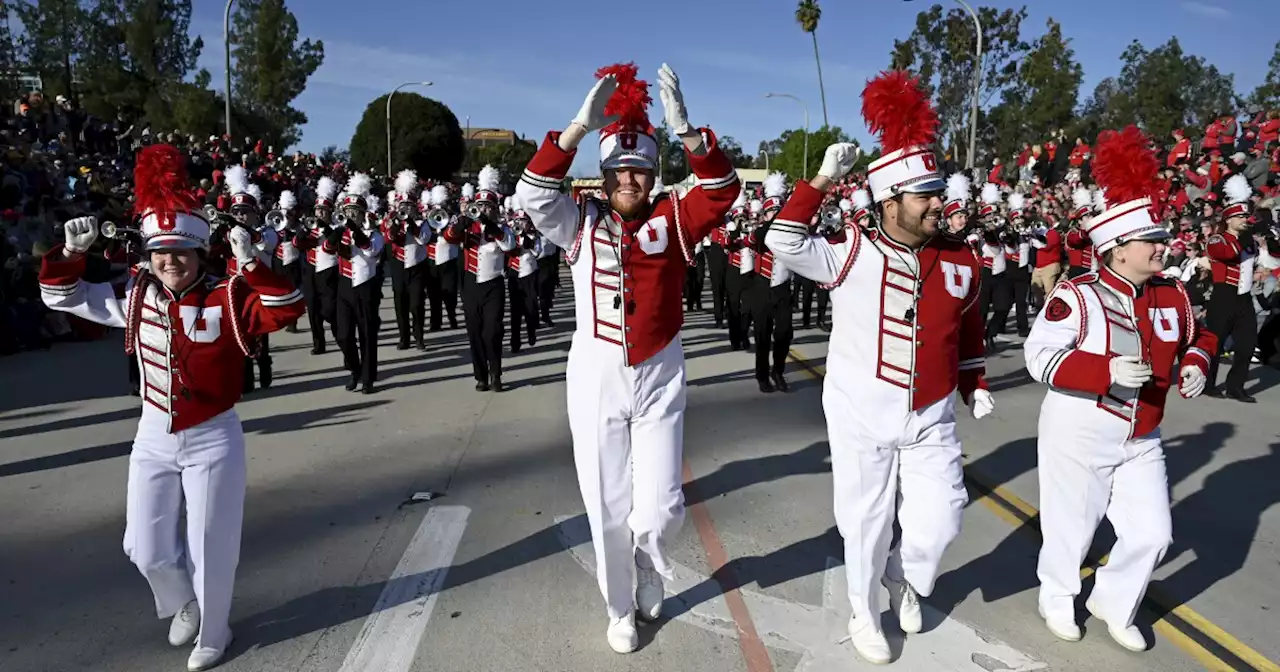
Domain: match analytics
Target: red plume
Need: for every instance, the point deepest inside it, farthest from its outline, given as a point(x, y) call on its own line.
point(160, 181)
point(895, 107)
point(1125, 166)
point(630, 101)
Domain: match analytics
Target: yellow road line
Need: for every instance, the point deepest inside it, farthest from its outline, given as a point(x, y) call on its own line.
point(1017, 511)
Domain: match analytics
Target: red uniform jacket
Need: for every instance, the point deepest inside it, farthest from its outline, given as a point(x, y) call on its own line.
point(1051, 253)
point(1079, 249)
point(1078, 155)
point(1226, 252)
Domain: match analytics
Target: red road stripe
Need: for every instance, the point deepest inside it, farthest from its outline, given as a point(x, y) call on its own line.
point(754, 653)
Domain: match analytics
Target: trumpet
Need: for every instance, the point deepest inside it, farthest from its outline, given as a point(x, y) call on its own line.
point(210, 212)
point(831, 215)
point(740, 221)
point(342, 221)
point(438, 217)
point(276, 219)
point(474, 211)
point(110, 230)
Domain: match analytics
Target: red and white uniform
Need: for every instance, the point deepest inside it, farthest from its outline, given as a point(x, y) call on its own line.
point(1099, 444)
point(906, 335)
point(1080, 250)
point(409, 250)
point(265, 242)
point(190, 445)
point(626, 375)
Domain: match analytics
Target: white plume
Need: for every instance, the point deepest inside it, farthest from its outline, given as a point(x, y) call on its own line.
point(741, 200)
point(958, 187)
point(1237, 189)
point(391, 196)
point(255, 192)
point(1081, 198)
point(775, 184)
point(439, 195)
point(372, 202)
point(326, 189)
point(861, 199)
point(237, 179)
point(468, 190)
point(488, 178)
point(1017, 201)
point(1099, 200)
point(287, 200)
point(846, 205)
point(358, 185)
point(406, 181)
point(756, 206)
point(990, 193)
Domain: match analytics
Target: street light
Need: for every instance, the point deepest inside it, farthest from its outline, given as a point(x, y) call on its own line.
point(226, 48)
point(806, 127)
point(977, 88)
point(389, 97)
point(765, 152)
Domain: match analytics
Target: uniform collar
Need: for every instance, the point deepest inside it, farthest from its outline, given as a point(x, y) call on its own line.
point(1118, 283)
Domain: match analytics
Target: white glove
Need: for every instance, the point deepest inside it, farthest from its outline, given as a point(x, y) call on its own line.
point(731, 227)
point(982, 403)
point(592, 116)
point(839, 160)
point(672, 100)
point(242, 246)
point(80, 234)
point(1193, 382)
point(1129, 371)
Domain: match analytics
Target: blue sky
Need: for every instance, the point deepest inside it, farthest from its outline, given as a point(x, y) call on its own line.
point(527, 66)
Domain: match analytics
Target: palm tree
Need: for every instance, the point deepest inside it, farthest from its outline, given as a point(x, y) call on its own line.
point(808, 13)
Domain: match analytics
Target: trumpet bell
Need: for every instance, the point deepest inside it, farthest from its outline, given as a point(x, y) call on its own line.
point(474, 211)
point(438, 217)
point(108, 229)
point(276, 219)
point(210, 212)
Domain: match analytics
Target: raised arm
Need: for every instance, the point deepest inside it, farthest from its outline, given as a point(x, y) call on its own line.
point(62, 287)
point(266, 301)
point(814, 257)
point(553, 213)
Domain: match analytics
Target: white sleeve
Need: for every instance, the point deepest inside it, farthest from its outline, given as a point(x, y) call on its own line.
point(375, 246)
point(810, 256)
point(92, 301)
point(1055, 333)
point(270, 238)
point(508, 240)
point(552, 212)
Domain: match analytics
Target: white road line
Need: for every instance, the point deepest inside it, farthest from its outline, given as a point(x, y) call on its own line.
point(389, 639)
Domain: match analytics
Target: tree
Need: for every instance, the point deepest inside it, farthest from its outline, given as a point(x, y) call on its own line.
point(673, 165)
point(510, 160)
point(733, 149)
point(8, 57)
point(1042, 99)
point(808, 14)
point(940, 51)
point(1267, 95)
point(52, 41)
point(425, 136)
point(1165, 88)
point(271, 67)
point(790, 157)
point(332, 154)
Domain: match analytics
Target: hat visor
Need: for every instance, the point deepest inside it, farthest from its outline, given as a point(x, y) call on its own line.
point(1153, 233)
point(627, 161)
point(929, 186)
point(172, 243)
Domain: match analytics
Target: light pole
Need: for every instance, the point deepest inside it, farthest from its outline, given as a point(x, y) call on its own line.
point(226, 48)
point(806, 128)
point(765, 152)
point(977, 88)
point(389, 97)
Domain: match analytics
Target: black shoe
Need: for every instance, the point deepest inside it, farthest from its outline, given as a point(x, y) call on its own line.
point(482, 386)
point(453, 324)
point(548, 323)
point(515, 349)
point(135, 391)
point(248, 387)
point(781, 383)
point(1216, 393)
point(991, 345)
point(402, 345)
point(291, 329)
point(422, 347)
point(533, 340)
point(367, 389)
point(351, 384)
point(497, 384)
point(264, 376)
point(719, 324)
point(1024, 332)
point(435, 329)
point(1242, 396)
point(824, 325)
point(804, 324)
point(766, 386)
point(317, 350)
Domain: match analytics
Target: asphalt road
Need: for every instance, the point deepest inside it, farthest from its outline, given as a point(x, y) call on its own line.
point(340, 571)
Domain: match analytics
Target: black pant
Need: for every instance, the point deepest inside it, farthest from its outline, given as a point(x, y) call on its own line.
point(1020, 285)
point(737, 312)
point(261, 355)
point(358, 329)
point(320, 289)
point(717, 263)
point(1231, 315)
point(442, 292)
point(809, 288)
point(482, 304)
point(292, 271)
point(407, 285)
point(771, 311)
point(1268, 336)
point(1076, 271)
point(548, 277)
point(995, 296)
point(693, 276)
point(524, 306)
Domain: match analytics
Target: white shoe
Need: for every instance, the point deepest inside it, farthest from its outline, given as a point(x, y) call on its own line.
point(1127, 636)
point(869, 642)
point(904, 602)
point(622, 634)
point(649, 593)
point(1065, 629)
point(185, 625)
point(204, 658)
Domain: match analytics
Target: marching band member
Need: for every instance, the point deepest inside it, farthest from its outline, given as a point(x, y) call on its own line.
point(996, 291)
point(906, 336)
point(320, 277)
point(522, 279)
point(1048, 259)
point(1107, 344)
point(718, 259)
point(485, 241)
point(408, 238)
point(626, 373)
point(768, 295)
point(956, 209)
point(287, 261)
point(548, 277)
point(1232, 254)
point(442, 259)
point(357, 249)
point(1017, 252)
point(742, 261)
point(189, 334)
point(1079, 249)
point(245, 199)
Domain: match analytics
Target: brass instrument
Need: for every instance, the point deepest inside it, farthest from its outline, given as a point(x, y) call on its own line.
point(342, 221)
point(831, 215)
point(474, 211)
point(110, 230)
point(438, 217)
point(741, 220)
point(276, 219)
point(210, 212)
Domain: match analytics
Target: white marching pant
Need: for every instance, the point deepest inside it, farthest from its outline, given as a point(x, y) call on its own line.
point(203, 467)
point(1080, 482)
point(909, 466)
point(628, 431)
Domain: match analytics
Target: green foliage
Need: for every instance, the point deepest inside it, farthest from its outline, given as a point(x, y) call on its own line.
point(333, 154)
point(425, 136)
point(1267, 95)
point(787, 156)
point(733, 149)
point(271, 67)
point(52, 41)
point(510, 160)
point(1042, 99)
